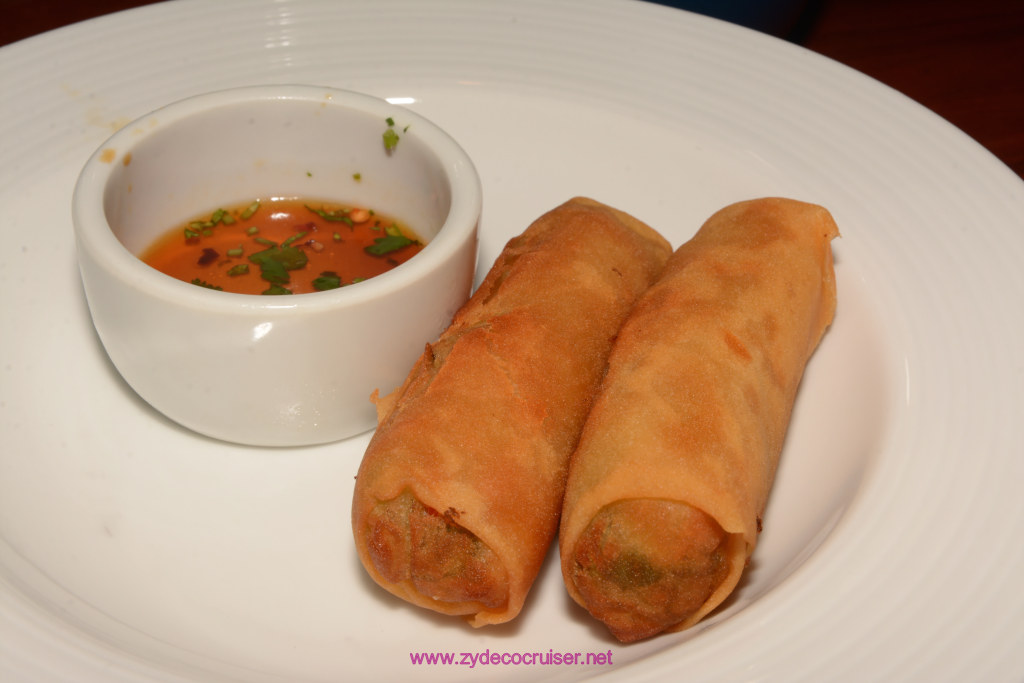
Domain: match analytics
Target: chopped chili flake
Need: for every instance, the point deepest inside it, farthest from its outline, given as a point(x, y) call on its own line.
point(208, 256)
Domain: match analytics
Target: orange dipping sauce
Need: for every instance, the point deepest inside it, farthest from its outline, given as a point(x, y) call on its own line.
point(283, 246)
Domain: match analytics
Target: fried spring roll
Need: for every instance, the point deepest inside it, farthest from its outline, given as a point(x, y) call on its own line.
point(459, 492)
point(672, 472)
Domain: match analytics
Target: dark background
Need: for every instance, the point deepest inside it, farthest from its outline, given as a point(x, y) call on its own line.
point(963, 59)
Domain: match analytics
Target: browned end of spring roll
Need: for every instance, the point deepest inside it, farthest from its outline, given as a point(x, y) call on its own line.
point(673, 469)
point(432, 554)
point(646, 564)
point(458, 496)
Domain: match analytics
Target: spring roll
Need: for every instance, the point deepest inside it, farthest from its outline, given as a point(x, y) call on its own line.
point(666, 489)
point(459, 492)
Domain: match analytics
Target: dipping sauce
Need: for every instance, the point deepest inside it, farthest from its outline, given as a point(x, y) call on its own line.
point(283, 246)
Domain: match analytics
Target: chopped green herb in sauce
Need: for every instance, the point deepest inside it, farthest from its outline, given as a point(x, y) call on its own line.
point(296, 246)
point(204, 283)
point(338, 216)
point(393, 240)
point(250, 210)
point(327, 280)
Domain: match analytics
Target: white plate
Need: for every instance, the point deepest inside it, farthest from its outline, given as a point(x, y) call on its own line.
point(132, 550)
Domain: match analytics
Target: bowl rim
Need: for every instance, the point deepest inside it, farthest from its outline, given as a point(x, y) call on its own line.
point(94, 235)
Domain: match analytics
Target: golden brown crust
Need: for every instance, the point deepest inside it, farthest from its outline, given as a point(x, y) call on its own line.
point(481, 430)
point(697, 398)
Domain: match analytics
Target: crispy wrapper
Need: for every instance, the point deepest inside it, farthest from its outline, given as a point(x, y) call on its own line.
point(458, 495)
point(673, 469)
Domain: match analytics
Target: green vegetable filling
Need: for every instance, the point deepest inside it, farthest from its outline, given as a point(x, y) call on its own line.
point(633, 570)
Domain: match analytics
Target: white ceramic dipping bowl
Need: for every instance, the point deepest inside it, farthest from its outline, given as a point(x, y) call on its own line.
point(272, 370)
